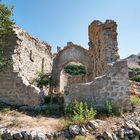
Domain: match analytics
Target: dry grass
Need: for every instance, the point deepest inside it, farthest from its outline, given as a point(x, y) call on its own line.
point(18, 120)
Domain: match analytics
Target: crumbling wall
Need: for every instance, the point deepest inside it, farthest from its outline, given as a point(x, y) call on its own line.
point(102, 45)
point(71, 53)
point(111, 86)
point(67, 79)
point(77, 79)
point(16, 90)
point(29, 56)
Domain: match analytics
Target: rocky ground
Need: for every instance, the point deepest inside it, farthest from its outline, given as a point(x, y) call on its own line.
point(20, 125)
point(134, 88)
point(24, 127)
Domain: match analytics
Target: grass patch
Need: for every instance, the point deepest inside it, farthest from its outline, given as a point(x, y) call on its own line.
point(15, 122)
point(134, 100)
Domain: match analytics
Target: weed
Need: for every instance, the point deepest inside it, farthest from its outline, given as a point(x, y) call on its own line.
point(109, 107)
point(15, 122)
point(79, 112)
point(6, 110)
point(1, 118)
point(134, 100)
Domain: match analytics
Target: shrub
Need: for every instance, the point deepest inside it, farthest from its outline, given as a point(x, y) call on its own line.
point(134, 100)
point(109, 107)
point(6, 31)
point(75, 69)
point(80, 112)
point(43, 79)
point(136, 79)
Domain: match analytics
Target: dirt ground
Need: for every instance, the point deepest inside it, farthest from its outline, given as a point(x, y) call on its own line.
point(18, 120)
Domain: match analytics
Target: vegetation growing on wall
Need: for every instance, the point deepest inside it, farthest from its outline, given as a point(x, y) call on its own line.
point(43, 79)
point(75, 70)
point(6, 30)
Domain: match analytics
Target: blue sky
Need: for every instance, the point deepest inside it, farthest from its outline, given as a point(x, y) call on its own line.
point(60, 21)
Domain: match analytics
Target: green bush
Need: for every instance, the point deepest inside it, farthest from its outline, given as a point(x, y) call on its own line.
point(134, 100)
point(80, 112)
point(43, 79)
point(6, 31)
point(5, 62)
point(136, 79)
point(75, 69)
point(109, 107)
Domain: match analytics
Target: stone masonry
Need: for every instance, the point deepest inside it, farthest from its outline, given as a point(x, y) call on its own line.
point(102, 45)
point(111, 86)
point(71, 53)
point(106, 77)
point(29, 57)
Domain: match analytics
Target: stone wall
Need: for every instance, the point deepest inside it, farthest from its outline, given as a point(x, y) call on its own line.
point(111, 86)
point(67, 79)
point(102, 45)
point(77, 79)
point(71, 53)
point(16, 90)
point(29, 56)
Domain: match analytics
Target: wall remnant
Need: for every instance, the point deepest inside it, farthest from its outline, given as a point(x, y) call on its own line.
point(111, 86)
point(71, 53)
point(29, 56)
point(102, 45)
point(101, 81)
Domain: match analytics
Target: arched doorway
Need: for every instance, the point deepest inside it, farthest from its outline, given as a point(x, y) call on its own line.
point(71, 73)
point(71, 53)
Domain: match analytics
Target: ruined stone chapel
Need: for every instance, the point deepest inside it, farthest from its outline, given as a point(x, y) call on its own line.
point(106, 75)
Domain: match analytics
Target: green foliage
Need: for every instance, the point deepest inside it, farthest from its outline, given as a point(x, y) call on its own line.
point(134, 100)
point(43, 79)
point(109, 107)
point(6, 30)
point(55, 105)
point(80, 112)
point(136, 78)
point(6, 24)
point(75, 69)
point(4, 61)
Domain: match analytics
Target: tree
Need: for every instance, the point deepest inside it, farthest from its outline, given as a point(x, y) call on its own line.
point(6, 31)
point(6, 24)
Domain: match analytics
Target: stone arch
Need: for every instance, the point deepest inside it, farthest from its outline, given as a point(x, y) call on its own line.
point(71, 53)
